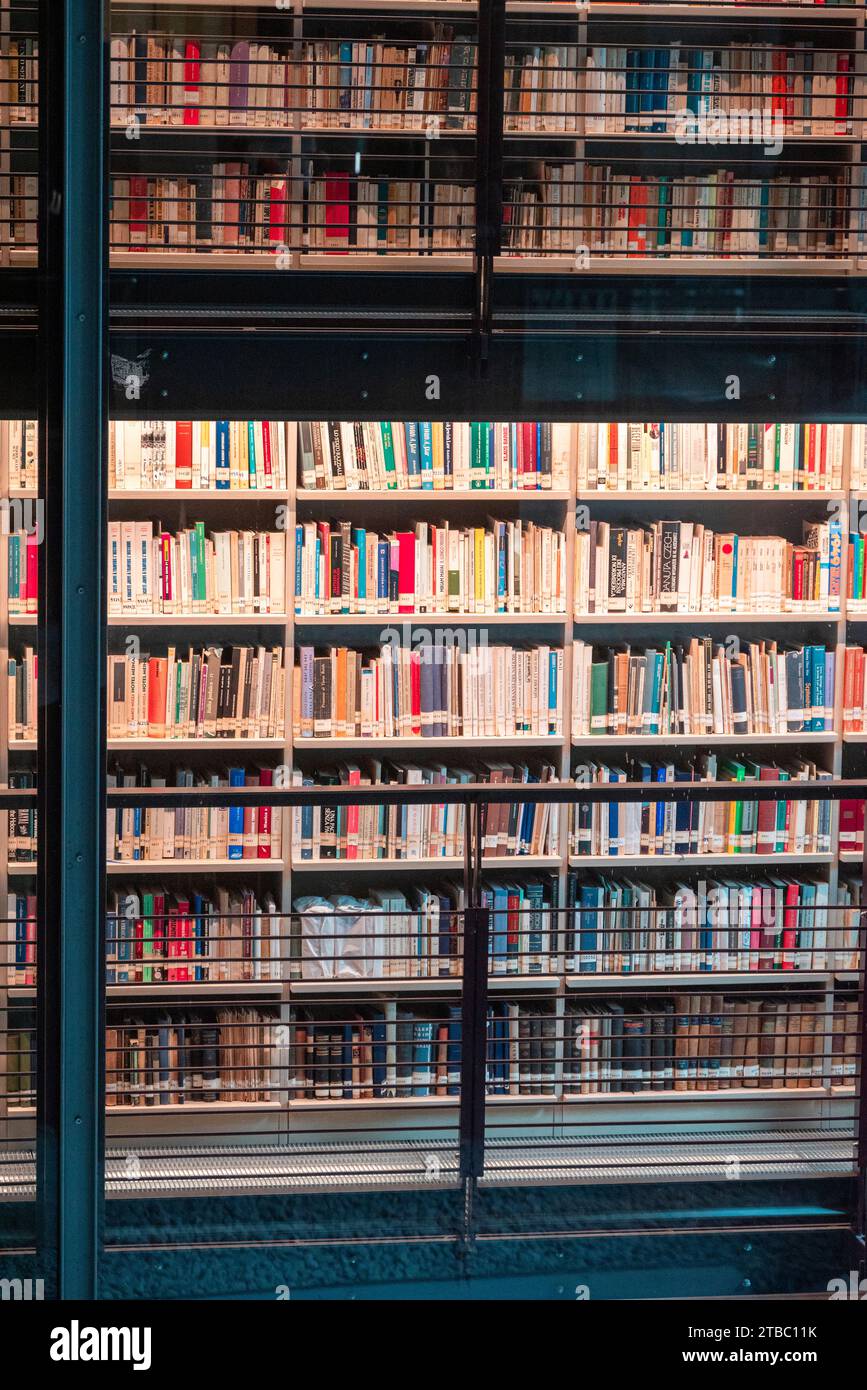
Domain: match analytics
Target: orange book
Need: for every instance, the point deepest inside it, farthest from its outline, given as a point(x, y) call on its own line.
point(158, 669)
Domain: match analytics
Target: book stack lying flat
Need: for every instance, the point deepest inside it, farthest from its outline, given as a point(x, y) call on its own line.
point(702, 827)
point(178, 455)
point(156, 935)
point(699, 688)
point(626, 927)
point(707, 1042)
point(218, 1055)
point(330, 832)
point(684, 567)
point(503, 567)
point(243, 833)
point(194, 572)
point(212, 692)
point(433, 455)
point(668, 457)
point(433, 692)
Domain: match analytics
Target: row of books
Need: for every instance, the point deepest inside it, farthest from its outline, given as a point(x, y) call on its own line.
point(668, 457)
point(429, 692)
point(162, 79)
point(620, 926)
point(854, 690)
point(221, 1055)
point(156, 935)
point(709, 1042)
point(219, 833)
point(211, 692)
point(701, 688)
point(330, 832)
point(21, 827)
point(800, 88)
point(374, 1052)
point(226, 455)
point(542, 88)
point(856, 571)
point(19, 211)
point(233, 207)
point(433, 455)
point(596, 209)
point(20, 1077)
point(418, 933)
point(22, 689)
point(18, 955)
point(500, 567)
point(685, 567)
point(150, 570)
point(22, 568)
point(22, 458)
point(360, 456)
point(652, 828)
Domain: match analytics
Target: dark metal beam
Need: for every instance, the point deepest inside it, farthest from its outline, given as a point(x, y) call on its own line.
point(71, 641)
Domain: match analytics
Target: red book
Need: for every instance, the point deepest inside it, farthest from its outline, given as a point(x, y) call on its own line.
point(266, 451)
point(192, 78)
point(337, 212)
point(767, 816)
point(406, 572)
point(183, 942)
point(184, 454)
point(851, 825)
point(138, 210)
point(278, 203)
point(841, 102)
point(263, 816)
point(32, 581)
point(352, 814)
point(790, 926)
point(778, 84)
point(159, 934)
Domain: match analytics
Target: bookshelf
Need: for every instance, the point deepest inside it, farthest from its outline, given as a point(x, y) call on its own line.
point(823, 979)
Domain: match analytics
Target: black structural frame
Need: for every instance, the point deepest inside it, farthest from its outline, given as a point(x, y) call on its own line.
point(565, 348)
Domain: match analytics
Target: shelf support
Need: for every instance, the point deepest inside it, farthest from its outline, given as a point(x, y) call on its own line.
point(71, 641)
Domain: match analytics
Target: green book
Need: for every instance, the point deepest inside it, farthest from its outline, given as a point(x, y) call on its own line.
point(388, 453)
point(147, 935)
point(599, 697)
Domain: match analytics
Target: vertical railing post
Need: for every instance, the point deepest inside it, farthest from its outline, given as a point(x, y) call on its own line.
point(71, 643)
point(489, 166)
point(861, 1131)
point(473, 1018)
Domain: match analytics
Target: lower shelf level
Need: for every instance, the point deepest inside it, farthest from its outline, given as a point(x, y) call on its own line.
point(694, 1155)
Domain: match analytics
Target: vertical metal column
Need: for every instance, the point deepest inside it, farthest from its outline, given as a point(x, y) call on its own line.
point(861, 1078)
point(474, 999)
point(489, 165)
point(71, 643)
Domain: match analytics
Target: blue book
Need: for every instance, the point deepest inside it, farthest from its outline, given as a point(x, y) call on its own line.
point(299, 565)
point(346, 1062)
point(552, 692)
point(807, 666)
point(344, 101)
point(359, 536)
point(380, 1086)
point(453, 1050)
point(413, 458)
point(383, 562)
point(588, 925)
point(426, 450)
point(422, 1057)
point(500, 928)
point(222, 465)
point(236, 817)
point(661, 67)
point(200, 944)
point(251, 446)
